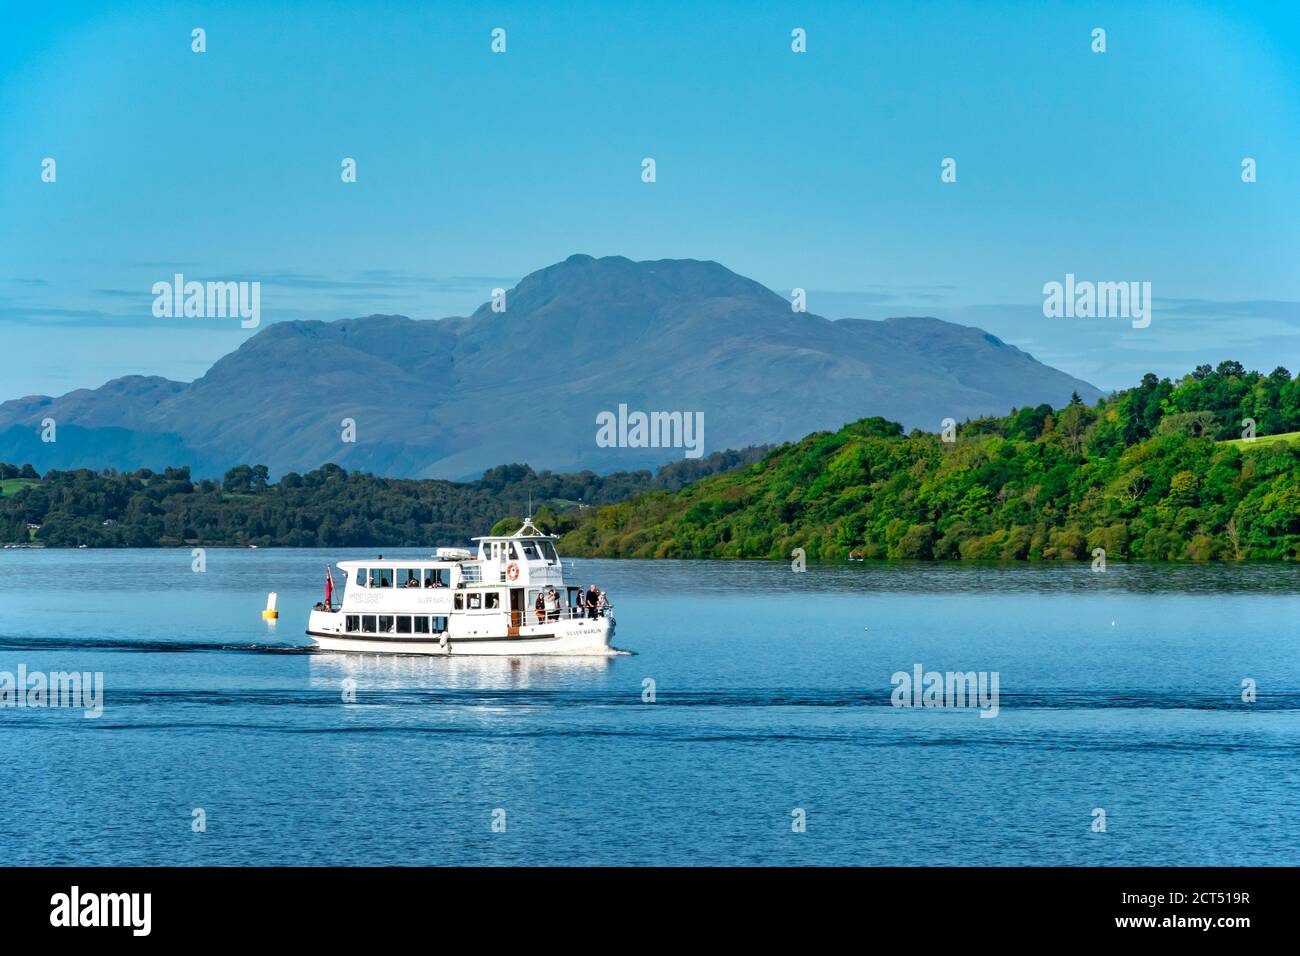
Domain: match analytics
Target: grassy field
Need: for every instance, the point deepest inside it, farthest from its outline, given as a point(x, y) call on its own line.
point(1263, 440)
point(9, 485)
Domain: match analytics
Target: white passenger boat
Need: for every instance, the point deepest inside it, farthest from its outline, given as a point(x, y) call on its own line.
point(464, 602)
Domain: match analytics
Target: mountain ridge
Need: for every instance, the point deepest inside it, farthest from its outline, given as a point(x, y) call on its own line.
point(448, 398)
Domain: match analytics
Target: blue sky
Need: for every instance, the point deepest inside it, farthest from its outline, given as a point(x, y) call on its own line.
point(818, 170)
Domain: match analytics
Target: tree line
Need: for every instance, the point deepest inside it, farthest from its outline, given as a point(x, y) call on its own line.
point(1155, 472)
point(327, 507)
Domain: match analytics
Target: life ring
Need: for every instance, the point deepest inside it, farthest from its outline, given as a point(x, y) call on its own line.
point(512, 571)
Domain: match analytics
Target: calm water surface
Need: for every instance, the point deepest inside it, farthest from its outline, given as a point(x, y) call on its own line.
point(1119, 691)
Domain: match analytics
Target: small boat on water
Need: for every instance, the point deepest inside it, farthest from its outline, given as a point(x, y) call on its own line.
point(462, 601)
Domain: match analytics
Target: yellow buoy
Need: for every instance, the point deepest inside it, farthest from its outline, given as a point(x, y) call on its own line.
point(270, 613)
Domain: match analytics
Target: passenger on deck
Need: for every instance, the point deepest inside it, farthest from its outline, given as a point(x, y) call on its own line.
point(593, 600)
point(552, 604)
point(540, 606)
point(602, 604)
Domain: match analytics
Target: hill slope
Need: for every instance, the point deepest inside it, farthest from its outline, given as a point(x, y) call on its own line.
point(1140, 475)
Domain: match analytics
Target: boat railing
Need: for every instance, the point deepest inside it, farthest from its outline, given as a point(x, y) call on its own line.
point(563, 614)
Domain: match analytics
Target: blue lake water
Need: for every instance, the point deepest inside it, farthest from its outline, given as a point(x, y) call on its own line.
point(1119, 691)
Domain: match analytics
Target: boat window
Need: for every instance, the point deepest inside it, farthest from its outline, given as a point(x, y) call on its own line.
point(421, 625)
point(368, 623)
point(360, 576)
point(548, 551)
point(460, 602)
point(439, 625)
point(386, 624)
point(381, 577)
point(353, 623)
point(493, 600)
point(408, 577)
point(529, 551)
point(475, 601)
point(514, 552)
point(403, 624)
point(437, 577)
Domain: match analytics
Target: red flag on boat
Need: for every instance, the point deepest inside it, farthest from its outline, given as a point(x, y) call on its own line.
point(329, 586)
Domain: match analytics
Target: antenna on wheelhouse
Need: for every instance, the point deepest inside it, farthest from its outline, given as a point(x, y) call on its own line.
point(528, 529)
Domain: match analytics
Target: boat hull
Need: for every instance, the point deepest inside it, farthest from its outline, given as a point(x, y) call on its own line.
point(573, 638)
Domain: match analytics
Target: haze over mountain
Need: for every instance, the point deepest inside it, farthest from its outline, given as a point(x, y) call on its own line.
point(451, 397)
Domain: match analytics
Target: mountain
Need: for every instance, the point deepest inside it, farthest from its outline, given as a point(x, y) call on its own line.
point(452, 397)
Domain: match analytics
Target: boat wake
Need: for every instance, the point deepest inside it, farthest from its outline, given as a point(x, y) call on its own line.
point(18, 643)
